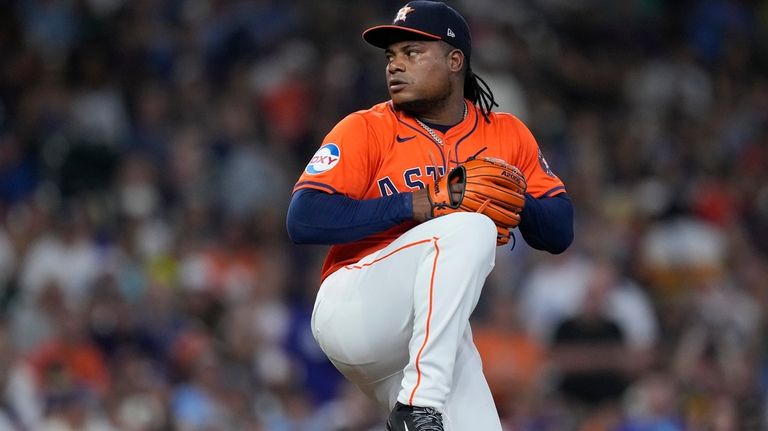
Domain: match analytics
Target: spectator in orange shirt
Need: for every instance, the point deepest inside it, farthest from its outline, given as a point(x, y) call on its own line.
point(70, 362)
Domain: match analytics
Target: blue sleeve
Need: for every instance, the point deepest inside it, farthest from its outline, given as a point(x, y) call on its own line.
point(316, 217)
point(547, 223)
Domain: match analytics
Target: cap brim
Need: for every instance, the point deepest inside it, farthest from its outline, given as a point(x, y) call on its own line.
point(384, 35)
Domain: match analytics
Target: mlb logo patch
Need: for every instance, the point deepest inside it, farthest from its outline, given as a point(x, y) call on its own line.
point(544, 165)
point(324, 159)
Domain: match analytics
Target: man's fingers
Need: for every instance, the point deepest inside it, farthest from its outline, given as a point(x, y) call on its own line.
point(456, 190)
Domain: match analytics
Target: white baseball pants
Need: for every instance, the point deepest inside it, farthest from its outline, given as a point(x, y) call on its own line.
point(396, 323)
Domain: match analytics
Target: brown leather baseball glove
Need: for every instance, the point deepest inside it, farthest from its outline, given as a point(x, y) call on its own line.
point(485, 185)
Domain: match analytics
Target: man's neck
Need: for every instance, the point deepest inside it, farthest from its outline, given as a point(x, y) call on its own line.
point(449, 115)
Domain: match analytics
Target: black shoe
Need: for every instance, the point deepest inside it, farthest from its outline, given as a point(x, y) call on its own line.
point(411, 418)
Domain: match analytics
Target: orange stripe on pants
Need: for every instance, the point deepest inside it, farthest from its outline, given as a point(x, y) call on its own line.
point(390, 254)
point(429, 319)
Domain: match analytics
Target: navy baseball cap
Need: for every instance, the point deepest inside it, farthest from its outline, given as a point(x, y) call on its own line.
point(423, 20)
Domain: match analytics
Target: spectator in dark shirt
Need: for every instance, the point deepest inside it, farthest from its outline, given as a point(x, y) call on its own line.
point(589, 349)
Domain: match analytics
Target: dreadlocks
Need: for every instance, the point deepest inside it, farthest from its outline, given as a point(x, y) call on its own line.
point(478, 91)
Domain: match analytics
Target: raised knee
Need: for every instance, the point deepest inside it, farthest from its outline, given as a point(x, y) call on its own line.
point(477, 225)
point(472, 230)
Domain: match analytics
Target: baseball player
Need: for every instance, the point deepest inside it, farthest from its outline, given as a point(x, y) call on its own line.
point(387, 189)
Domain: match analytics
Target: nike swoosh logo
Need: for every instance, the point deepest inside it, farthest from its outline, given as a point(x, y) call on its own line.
point(401, 140)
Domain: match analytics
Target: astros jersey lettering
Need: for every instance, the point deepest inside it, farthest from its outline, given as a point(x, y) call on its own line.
point(381, 151)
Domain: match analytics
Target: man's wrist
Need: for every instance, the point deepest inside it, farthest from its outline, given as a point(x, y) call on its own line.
point(422, 207)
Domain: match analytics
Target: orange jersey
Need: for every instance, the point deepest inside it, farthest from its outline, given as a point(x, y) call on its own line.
point(380, 151)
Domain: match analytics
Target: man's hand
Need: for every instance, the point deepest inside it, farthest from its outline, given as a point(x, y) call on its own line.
point(486, 185)
point(422, 207)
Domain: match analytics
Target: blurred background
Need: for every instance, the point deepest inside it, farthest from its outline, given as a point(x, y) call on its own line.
point(147, 153)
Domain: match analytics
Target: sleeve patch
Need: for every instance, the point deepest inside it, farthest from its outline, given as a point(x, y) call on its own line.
point(545, 165)
point(324, 159)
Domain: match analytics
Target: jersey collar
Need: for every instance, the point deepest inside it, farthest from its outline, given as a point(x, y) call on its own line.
point(462, 128)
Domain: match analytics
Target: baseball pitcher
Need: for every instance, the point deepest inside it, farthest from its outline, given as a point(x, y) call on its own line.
point(413, 195)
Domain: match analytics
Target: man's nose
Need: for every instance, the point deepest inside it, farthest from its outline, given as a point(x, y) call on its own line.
point(395, 65)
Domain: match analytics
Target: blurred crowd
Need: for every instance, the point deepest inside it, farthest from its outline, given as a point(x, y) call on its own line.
point(147, 154)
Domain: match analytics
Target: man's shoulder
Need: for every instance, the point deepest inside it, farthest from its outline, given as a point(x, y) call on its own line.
point(502, 117)
point(379, 116)
point(378, 120)
point(379, 112)
point(504, 123)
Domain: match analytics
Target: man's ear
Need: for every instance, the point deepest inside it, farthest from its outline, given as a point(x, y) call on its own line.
point(455, 60)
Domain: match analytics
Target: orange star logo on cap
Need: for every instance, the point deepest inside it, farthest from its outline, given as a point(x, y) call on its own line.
point(403, 12)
